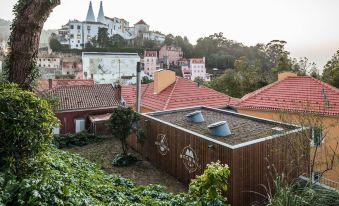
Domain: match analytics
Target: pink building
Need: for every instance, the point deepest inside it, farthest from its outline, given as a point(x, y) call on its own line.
point(170, 54)
point(150, 62)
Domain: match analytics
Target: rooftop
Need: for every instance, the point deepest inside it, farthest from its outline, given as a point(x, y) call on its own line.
point(244, 128)
point(294, 93)
point(43, 85)
point(86, 97)
point(182, 93)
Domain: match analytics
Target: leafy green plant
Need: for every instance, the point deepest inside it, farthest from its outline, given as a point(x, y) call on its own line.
point(77, 139)
point(208, 188)
point(26, 126)
point(124, 160)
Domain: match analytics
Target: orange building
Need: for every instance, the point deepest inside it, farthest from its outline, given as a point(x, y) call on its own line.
point(171, 92)
point(307, 101)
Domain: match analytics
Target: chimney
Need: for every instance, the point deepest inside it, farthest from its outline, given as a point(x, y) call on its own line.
point(163, 79)
point(92, 76)
point(50, 83)
point(284, 75)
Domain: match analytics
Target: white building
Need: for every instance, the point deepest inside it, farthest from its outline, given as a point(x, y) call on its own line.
point(195, 68)
point(49, 66)
point(107, 67)
point(150, 61)
point(77, 34)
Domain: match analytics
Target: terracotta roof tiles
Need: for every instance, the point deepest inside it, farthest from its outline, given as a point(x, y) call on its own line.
point(182, 93)
point(302, 93)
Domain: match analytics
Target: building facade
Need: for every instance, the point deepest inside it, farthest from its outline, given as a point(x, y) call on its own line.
point(170, 54)
point(150, 62)
point(107, 67)
point(76, 34)
point(49, 66)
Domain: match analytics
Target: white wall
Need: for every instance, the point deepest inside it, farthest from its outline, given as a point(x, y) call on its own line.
point(109, 62)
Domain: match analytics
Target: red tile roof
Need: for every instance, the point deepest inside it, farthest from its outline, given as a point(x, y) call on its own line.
point(301, 93)
point(43, 84)
point(141, 22)
point(85, 97)
point(182, 93)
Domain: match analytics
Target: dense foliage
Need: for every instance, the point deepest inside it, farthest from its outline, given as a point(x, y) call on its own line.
point(67, 179)
point(211, 185)
point(77, 139)
point(26, 121)
point(331, 70)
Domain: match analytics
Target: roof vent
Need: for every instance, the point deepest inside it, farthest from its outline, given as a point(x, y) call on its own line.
point(219, 129)
point(195, 117)
point(278, 130)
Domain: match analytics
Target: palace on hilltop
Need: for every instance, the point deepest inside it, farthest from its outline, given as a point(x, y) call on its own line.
point(76, 34)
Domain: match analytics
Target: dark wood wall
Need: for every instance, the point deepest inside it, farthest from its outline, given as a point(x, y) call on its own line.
point(250, 165)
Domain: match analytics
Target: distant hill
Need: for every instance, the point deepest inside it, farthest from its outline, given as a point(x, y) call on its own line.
point(5, 32)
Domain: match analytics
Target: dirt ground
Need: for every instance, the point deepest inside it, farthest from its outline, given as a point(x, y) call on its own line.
point(141, 173)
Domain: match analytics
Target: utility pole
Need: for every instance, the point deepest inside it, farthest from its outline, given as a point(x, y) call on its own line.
point(138, 95)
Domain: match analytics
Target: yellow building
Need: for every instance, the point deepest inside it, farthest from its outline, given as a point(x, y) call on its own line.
point(306, 101)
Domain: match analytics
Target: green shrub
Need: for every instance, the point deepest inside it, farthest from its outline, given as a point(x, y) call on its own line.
point(208, 188)
point(123, 160)
point(77, 139)
point(26, 126)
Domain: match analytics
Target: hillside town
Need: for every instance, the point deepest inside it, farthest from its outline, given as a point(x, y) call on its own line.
point(113, 113)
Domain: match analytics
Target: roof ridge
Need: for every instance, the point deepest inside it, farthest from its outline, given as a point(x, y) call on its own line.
point(170, 95)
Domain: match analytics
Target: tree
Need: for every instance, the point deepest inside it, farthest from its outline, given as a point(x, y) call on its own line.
point(199, 80)
point(27, 25)
point(146, 80)
point(121, 124)
point(55, 45)
point(150, 44)
point(117, 41)
point(331, 71)
point(103, 39)
point(169, 39)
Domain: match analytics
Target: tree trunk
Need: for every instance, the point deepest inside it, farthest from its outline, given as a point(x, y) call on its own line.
point(24, 41)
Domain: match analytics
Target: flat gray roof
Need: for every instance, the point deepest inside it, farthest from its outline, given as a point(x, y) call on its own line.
point(245, 129)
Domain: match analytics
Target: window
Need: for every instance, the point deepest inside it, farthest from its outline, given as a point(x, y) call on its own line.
point(72, 36)
point(56, 130)
point(317, 136)
point(72, 26)
point(88, 27)
point(79, 125)
point(78, 27)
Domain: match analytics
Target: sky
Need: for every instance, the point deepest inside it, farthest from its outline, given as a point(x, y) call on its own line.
point(310, 27)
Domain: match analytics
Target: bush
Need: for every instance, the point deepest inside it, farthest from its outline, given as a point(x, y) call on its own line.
point(122, 160)
point(78, 139)
point(26, 126)
point(208, 188)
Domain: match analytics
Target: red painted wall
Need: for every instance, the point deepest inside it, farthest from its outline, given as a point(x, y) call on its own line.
point(67, 119)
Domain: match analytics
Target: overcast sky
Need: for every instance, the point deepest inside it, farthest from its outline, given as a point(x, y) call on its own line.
point(310, 27)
